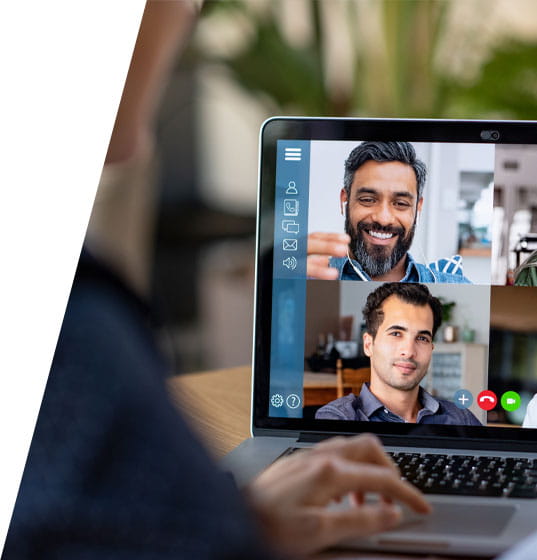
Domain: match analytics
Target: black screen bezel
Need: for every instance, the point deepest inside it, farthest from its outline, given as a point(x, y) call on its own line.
point(298, 128)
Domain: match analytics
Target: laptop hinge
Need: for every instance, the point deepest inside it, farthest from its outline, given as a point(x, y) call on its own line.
point(431, 442)
point(313, 437)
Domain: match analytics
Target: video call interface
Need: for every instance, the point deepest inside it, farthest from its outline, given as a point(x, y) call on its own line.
point(451, 223)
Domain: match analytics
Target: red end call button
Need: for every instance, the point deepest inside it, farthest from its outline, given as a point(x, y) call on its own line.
point(487, 400)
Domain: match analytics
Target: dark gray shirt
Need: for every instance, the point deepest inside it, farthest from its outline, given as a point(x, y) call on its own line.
point(367, 408)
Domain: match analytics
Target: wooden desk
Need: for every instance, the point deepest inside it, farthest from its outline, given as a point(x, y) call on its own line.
point(218, 405)
point(220, 402)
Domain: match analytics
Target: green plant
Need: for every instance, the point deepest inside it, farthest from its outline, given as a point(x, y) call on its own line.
point(402, 56)
point(447, 310)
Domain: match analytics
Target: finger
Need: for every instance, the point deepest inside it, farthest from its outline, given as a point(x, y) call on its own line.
point(327, 236)
point(335, 476)
point(337, 525)
point(331, 244)
point(332, 249)
point(318, 528)
point(365, 448)
point(394, 489)
point(357, 498)
point(319, 267)
point(387, 499)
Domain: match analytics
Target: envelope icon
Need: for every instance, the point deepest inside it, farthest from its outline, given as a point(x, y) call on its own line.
point(290, 244)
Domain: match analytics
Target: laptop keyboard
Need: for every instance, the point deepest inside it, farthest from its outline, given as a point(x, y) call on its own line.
point(466, 474)
point(469, 475)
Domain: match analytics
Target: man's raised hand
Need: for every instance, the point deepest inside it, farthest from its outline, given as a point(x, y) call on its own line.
point(322, 246)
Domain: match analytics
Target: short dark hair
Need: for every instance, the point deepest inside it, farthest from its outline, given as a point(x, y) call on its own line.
point(415, 294)
point(384, 152)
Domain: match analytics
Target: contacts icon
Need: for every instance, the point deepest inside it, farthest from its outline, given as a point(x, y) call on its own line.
point(291, 188)
point(290, 207)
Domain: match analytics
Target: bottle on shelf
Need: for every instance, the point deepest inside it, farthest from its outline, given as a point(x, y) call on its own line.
point(321, 345)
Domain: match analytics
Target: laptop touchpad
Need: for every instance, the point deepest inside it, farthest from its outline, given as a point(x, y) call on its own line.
point(470, 519)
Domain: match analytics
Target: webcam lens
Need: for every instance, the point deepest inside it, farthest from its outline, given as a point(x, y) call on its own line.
point(490, 135)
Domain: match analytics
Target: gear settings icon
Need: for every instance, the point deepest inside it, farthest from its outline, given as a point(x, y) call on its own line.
point(276, 400)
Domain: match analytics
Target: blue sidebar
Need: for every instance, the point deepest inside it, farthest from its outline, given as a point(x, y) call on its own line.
point(289, 287)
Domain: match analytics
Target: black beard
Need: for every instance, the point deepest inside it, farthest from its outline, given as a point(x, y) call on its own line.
point(378, 260)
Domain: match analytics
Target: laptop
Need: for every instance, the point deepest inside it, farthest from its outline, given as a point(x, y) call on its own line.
point(478, 199)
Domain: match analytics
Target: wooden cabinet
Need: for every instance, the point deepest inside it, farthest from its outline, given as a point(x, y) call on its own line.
point(319, 388)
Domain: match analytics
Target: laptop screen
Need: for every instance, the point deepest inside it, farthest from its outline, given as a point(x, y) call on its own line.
point(395, 278)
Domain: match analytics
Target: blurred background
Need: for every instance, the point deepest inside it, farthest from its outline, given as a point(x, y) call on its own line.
point(515, 210)
point(251, 59)
point(513, 348)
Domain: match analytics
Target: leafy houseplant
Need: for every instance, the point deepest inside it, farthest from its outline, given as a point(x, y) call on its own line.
point(449, 331)
point(447, 309)
point(411, 59)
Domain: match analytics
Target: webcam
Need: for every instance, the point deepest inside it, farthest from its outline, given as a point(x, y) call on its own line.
point(493, 135)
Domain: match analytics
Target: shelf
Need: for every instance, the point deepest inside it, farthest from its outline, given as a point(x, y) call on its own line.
point(468, 252)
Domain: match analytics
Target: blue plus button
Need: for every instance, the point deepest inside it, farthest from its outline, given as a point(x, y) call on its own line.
point(463, 398)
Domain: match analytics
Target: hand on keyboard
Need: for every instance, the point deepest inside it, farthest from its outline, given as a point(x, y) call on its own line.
point(292, 495)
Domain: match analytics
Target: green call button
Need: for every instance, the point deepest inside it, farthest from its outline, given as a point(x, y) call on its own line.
point(510, 400)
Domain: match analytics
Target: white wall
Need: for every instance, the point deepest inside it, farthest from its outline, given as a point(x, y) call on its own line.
point(472, 306)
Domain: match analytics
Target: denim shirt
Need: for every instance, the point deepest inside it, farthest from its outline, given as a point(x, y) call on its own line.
point(447, 271)
point(367, 408)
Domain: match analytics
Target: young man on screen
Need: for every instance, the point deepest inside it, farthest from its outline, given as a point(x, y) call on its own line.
point(401, 321)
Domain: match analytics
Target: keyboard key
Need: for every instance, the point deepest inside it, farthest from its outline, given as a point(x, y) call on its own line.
point(469, 475)
point(523, 491)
